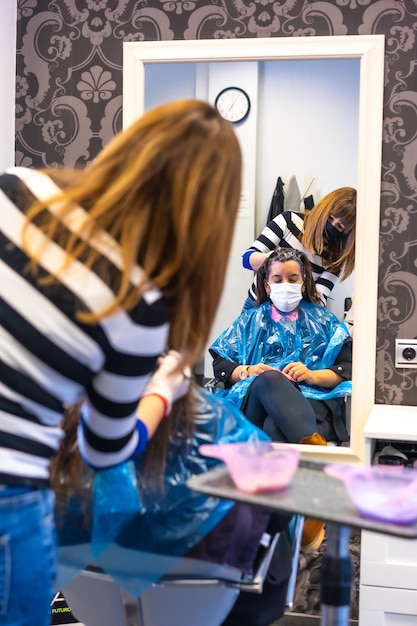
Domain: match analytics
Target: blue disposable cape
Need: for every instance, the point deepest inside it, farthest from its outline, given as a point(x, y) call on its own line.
point(314, 339)
point(140, 530)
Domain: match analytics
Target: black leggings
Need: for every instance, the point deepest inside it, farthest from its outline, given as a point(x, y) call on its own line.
point(275, 399)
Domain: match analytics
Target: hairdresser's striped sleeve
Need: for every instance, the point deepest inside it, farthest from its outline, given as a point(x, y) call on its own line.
point(48, 358)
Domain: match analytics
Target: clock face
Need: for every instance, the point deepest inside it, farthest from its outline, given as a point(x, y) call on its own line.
point(233, 104)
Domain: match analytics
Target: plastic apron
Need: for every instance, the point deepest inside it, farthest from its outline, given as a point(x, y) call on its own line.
point(314, 339)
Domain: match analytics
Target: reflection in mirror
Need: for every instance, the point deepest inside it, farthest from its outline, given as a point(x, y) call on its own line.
point(315, 115)
point(303, 127)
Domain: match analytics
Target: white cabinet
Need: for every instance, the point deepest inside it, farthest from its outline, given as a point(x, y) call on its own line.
point(379, 606)
point(388, 573)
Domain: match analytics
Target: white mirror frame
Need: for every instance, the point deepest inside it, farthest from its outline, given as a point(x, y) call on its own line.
point(369, 49)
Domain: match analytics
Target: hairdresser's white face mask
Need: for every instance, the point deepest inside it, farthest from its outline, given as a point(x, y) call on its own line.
point(286, 296)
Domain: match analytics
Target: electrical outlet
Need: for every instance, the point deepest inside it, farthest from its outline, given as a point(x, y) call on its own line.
point(406, 353)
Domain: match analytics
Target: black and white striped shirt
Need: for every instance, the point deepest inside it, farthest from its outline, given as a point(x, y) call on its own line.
point(48, 358)
point(285, 231)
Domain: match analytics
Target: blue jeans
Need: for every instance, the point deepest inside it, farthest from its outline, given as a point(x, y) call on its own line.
point(27, 556)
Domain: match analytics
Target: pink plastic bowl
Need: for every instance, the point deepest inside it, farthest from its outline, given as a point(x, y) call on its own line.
point(380, 494)
point(256, 466)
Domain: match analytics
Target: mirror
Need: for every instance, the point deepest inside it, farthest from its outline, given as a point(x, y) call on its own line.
point(369, 52)
point(302, 118)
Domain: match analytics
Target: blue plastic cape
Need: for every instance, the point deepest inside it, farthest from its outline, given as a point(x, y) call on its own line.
point(172, 518)
point(115, 502)
point(315, 339)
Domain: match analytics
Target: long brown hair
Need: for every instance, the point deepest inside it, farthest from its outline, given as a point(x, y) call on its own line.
point(338, 255)
point(282, 255)
point(70, 476)
point(167, 190)
point(67, 470)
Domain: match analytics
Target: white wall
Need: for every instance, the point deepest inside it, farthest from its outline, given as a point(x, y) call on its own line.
point(308, 121)
point(7, 73)
point(244, 75)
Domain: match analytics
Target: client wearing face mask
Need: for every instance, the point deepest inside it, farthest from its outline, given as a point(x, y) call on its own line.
point(287, 362)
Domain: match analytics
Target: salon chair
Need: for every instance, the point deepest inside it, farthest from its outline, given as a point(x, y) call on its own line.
point(192, 592)
point(178, 600)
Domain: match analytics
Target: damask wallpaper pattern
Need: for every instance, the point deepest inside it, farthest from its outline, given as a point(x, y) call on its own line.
point(69, 99)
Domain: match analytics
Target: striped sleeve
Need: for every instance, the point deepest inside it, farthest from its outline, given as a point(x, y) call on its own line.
point(286, 231)
point(325, 281)
point(108, 433)
point(49, 359)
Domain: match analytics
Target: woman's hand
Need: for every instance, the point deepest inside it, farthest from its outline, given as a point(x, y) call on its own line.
point(257, 258)
point(258, 368)
point(252, 370)
point(300, 373)
point(169, 381)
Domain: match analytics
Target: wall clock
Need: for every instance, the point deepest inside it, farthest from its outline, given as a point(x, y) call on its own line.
point(233, 104)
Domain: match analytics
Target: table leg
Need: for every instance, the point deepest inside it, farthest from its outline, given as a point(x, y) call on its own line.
point(336, 577)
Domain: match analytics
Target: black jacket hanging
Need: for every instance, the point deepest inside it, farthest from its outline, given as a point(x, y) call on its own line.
point(277, 202)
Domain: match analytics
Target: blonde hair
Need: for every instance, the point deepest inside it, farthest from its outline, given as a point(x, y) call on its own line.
point(338, 255)
point(167, 190)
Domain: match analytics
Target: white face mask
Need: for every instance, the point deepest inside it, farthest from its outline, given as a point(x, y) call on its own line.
point(286, 296)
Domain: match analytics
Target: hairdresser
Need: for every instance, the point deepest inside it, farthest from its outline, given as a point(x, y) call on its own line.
point(326, 235)
point(101, 271)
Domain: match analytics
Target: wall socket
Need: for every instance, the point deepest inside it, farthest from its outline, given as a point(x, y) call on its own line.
point(406, 353)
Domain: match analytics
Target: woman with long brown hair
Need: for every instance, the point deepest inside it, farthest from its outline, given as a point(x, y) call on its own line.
point(102, 270)
point(287, 362)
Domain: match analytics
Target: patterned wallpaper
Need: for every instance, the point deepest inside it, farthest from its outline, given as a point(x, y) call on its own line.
point(69, 99)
